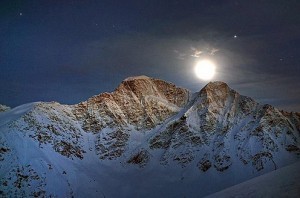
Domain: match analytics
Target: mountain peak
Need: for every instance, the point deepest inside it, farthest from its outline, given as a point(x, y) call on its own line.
point(216, 85)
point(4, 108)
point(216, 89)
point(139, 101)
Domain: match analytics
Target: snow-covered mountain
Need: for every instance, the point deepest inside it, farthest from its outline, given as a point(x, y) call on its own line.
point(147, 138)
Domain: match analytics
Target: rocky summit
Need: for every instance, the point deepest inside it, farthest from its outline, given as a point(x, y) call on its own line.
point(147, 138)
point(140, 101)
point(4, 108)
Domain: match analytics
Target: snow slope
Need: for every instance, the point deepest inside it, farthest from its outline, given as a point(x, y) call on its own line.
point(148, 138)
point(284, 182)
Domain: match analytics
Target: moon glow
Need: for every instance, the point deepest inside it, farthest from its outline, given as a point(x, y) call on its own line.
point(205, 69)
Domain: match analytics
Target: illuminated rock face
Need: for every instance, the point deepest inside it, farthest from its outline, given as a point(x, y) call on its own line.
point(141, 101)
point(221, 127)
point(146, 126)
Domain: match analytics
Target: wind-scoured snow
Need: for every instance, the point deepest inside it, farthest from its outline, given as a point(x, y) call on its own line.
point(15, 113)
point(137, 78)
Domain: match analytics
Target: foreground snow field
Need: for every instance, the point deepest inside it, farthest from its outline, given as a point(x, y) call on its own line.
point(284, 182)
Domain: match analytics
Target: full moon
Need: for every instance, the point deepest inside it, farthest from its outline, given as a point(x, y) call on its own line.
point(205, 69)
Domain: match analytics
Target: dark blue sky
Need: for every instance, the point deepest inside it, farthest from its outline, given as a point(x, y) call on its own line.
point(67, 51)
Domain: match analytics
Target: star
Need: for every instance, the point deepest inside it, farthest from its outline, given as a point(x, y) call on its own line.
point(235, 36)
point(21, 13)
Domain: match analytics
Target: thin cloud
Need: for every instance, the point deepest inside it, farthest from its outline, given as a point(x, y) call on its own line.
point(213, 51)
point(180, 55)
point(197, 53)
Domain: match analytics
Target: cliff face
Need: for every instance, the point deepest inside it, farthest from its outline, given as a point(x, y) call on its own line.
point(141, 101)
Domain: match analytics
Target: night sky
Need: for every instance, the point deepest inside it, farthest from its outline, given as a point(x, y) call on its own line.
point(68, 51)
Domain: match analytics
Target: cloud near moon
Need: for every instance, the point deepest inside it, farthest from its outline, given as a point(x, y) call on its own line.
point(195, 53)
